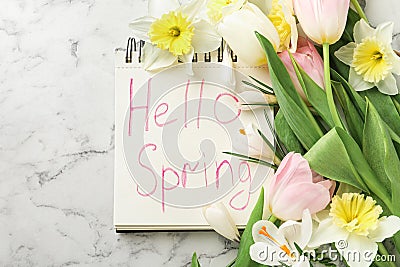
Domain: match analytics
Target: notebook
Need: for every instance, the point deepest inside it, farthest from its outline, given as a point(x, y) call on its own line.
point(172, 128)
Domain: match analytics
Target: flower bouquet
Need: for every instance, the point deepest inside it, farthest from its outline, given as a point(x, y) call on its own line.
point(334, 82)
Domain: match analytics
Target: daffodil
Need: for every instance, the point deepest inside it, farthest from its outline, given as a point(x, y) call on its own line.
point(282, 17)
point(217, 9)
point(277, 246)
point(173, 31)
point(354, 225)
point(371, 58)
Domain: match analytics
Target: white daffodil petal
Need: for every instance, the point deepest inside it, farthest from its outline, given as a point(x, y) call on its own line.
point(265, 254)
point(384, 32)
point(221, 221)
point(326, 233)
point(158, 8)
point(141, 27)
point(187, 58)
point(395, 59)
point(205, 38)
point(357, 250)
point(263, 5)
point(193, 8)
point(362, 30)
point(388, 226)
point(388, 86)
point(358, 82)
point(155, 58)
point(345, 53)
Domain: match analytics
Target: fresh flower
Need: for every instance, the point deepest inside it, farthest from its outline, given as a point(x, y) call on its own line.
point(216, 9)
point(292, 190)
point(355, 227)
point(309, 60)
point(238, 30)
point(219, 218)
point(274, 246)
point(323, 21)
point(282, 17)
point(174, 32)
point(371, 58)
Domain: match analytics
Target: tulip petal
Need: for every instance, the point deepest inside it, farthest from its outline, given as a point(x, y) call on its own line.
point(357, 250)
point(297, 198)
point(155, 58)
point(265, 254)
point(205, 38)
point(219, 218)
point(158, 8)
point(345, 53)
point(388, 86)
point(388, 226)
point(358, 82)
point(141, 27)
point(327, 233)
point(362, 30)
point(293, 169)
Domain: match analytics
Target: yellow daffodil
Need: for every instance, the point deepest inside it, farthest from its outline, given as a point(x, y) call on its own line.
point(173, 31)
point(371, 58)
point(355, 227)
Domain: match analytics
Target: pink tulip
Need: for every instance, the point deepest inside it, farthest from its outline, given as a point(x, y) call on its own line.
point(322, 20)
point(292, 189)
point(309, 60)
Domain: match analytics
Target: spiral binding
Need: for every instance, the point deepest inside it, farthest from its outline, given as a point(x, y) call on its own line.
point(133, 46)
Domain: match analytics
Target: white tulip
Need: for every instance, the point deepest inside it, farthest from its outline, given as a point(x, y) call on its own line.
point(219, 218)
point(238, 30)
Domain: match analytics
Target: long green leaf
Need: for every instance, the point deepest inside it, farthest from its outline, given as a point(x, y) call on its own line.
point(338, 157)
point(195, 261)
point(297, 114)
point(315, 94)
point(354, 122)
point(286, 135)
point(381, 154)
point(385, 107)
point(243, 258)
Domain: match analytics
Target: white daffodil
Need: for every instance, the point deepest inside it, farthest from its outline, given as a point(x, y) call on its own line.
point(219, 218)
point(371, 58)
point(276, 246)
point(172, 32)
point(355, 227)
point(281, 14)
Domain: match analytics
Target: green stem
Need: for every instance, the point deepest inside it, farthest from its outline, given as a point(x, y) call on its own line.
point(359, 10)
point(272, 219)
point(328, 87)
point(383, 251)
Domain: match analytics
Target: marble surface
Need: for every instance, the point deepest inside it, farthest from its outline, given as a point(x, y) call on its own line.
point(56, 140)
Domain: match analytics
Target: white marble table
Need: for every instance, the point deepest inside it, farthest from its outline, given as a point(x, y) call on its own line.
point(56, 140)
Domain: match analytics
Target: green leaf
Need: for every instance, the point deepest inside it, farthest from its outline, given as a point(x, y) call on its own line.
point(251, 159)
point(262, 84)
point(385, 107)
point(315, 94)
point(381, 154)
point(195, 261)
point(243, 258)
point(296, 112)
point(286, 135)
point(338, 157)
point(354, 121)
point(396, 104)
